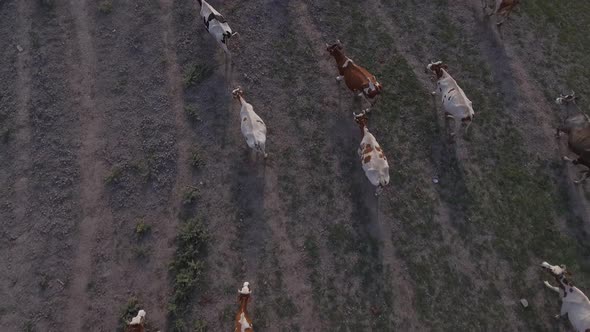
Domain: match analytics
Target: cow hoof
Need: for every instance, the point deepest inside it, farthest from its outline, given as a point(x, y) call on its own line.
point(433, 93)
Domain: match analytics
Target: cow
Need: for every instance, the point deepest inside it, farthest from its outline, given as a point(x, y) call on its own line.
point(501, 8)
point(577, 128)
point(372, 157)
point(456, 105)
point(574, 303)
point(243, 321)
point(216, 24)
point(357, 78)
point(253, 128)
point(136, 324)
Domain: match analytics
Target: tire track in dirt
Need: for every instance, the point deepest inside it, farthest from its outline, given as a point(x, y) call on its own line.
point(167, 228)
point(95, 210)
point(23, 88)
point(257, 190)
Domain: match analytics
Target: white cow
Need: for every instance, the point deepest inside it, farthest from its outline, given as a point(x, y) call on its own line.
point(216, 24)
point(455, 103)
point(574, 303)
point(253, 128)
point(372, 157)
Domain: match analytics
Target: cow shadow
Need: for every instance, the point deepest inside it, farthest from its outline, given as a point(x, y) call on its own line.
point(247, 194)
point(449, 172)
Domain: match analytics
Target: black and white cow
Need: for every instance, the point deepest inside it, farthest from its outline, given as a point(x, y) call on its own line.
point(216, 24)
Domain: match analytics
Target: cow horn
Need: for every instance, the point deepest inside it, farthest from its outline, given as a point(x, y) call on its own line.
point(339, 42)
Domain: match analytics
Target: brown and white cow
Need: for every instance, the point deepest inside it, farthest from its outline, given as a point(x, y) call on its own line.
point(501, 8)
point(574, 303)
point(578, 129)
point(456, 105)
point(357, 78)
point(136, 324)
point(243, 321)
point(372, 157)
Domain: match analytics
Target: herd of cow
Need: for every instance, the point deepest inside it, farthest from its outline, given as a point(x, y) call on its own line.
point(456, 106)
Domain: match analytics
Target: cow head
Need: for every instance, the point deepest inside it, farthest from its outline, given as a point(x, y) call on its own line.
point(237, 93)
point(362, 120)
point(335, 48)
point(136, 324)
point(245, 289)
point(566, 99)
point(436, 67)
point(559, 273)
point(243, 321)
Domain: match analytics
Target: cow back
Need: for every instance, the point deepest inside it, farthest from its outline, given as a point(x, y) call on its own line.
point(357, 78)
point(579, 142)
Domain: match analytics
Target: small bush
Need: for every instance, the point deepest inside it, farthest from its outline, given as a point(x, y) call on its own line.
point(141, 251)
point(190, 195)
point(105, 6)
point(115, 175)
point(197, 73)
point(141, 229)
point(200, 326)
point(196, 160)
point(192, 113)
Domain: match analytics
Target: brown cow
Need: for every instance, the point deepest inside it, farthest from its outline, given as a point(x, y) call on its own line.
point(357, 78)
point(136, 324)
point(243, 321)
point(578, 129)
point(501, 8)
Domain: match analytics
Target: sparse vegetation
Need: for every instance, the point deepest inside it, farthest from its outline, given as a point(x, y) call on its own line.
point(191, 194)
point(115, 175)
point(105, 6)
point(196, 160)
point(197, 73)
point(141, 251)
point(192, 112)
point(187, 268)
point(142, 229)
point(200, 326)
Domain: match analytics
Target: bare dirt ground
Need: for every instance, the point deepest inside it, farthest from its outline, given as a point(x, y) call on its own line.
point(117, 129)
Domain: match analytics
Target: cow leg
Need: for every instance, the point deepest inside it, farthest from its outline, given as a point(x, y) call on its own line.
point(566, 158)
point(551, 287)
point(339, 78)
point(582, 178)
point(451, 130)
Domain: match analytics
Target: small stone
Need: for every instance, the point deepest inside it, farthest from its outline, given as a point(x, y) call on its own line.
point(19, 48)
point(524, 303)
point(435, 180)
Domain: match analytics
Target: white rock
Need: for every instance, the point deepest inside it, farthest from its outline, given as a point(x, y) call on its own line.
point(524, 303)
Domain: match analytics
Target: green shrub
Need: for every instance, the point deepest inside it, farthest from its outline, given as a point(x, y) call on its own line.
point(187, 268)
point(197, 73)
point(105, 6)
